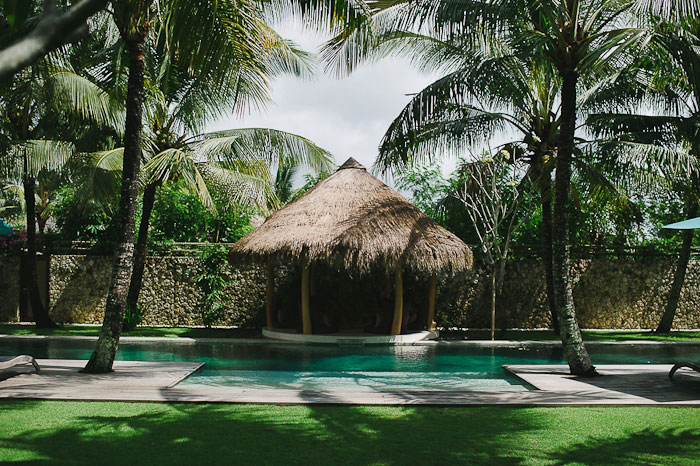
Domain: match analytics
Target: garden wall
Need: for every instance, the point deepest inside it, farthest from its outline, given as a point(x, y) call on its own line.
point(608, 293)
point(623, 294)
point(170, 295)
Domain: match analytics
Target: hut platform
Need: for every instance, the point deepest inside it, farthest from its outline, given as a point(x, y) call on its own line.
point(349, 337)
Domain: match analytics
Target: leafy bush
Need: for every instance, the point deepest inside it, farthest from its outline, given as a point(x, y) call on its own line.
point(79, 220)
point(180, 216)
point(132, 318)
point(213, 281)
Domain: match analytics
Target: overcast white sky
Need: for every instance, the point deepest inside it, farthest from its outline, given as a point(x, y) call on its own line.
point(347, 117)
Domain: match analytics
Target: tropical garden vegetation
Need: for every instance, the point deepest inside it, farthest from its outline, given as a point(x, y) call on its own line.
point(104, 107)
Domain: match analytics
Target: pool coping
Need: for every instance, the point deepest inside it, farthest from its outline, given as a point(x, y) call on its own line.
point(157, 382)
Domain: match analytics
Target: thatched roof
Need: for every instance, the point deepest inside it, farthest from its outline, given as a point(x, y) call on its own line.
point(353, 221)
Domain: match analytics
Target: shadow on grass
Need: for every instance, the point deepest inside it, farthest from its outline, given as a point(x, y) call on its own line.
point(648, 446)
point(131, 433)
point(254, 434)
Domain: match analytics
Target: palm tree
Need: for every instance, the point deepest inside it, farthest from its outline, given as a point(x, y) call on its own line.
point(579, 38)
point(184, 101)
point(132, 18)
point(35, 103)
point(227, 44)
point(497, 94)
point(672, 73)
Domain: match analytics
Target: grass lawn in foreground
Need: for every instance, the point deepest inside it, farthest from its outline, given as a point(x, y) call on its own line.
point(58, 432)
point(514, 335)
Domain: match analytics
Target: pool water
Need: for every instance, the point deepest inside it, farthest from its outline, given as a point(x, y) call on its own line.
point(451, 367)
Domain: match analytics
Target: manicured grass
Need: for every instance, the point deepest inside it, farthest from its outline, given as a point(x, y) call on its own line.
point(146, 433)
point(515, 335)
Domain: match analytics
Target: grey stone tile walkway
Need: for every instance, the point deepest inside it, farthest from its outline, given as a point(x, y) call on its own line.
point(156, 381)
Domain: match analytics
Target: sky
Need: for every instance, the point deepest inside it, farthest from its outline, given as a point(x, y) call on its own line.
point(347, 117)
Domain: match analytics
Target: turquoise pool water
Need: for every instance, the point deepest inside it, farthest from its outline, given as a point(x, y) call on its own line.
point(321, 367)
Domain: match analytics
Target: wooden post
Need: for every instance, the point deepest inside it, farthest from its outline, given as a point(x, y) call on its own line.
point(269, 292)
point(398, 301)
point(431, 303)
point(312, 280)
point(305, 292)
point(387, 286)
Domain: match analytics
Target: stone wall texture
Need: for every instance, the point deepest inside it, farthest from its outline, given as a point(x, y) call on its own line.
point(608, 293)
point(622, 294)
point(170, 295)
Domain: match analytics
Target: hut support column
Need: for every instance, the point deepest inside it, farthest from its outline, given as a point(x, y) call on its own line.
point(431, 303)
point(269, 292)
point(398, 301)
point(305, 295)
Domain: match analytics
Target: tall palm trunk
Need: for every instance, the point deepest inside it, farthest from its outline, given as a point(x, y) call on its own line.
point(41, 314)
point(149, 196)
point(545, 185)
point(103, 357)
point(574, 349)
point(679, 276)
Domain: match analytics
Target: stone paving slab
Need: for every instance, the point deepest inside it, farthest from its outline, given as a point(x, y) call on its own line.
point(155, 381)
point(644, 383)
point(64, 376)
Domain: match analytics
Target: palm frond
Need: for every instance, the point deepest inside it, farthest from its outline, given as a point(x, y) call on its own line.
point(172, 164)
point(234, 186)
point(273, 146)
point(88, 100)
point(44, 155)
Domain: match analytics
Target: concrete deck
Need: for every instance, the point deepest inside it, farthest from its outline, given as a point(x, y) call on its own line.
point(156, 381)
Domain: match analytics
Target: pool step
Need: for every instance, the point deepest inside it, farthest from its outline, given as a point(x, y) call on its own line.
point(351, 342)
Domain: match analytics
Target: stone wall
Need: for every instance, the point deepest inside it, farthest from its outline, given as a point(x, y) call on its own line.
point(608, 293)
point(9, 289)
point(170, 295)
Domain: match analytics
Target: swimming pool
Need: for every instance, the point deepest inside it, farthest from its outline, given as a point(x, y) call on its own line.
point(443, 366)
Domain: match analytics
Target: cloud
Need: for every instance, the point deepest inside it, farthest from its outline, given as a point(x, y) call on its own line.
point(346, 116)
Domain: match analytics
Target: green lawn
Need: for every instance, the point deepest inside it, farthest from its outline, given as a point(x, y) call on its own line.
point(515, 335)
point(146, 433)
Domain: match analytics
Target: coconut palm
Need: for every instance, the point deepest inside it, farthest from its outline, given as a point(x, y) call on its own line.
point(182, 102)
point(133, 20)
point(672, 73)
point(227, 46)
point(579, 38)
point(35, 103)
point(497, 94)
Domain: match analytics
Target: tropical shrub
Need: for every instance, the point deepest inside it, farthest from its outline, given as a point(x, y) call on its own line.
point(213, 281)
point(180, 216)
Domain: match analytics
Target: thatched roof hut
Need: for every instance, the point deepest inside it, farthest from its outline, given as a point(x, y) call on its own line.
point(353, 222)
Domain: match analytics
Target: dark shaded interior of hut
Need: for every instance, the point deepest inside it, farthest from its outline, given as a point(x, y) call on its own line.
point(353, 304)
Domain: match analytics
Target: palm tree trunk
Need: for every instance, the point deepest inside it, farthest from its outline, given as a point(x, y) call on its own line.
point(103, 357)
point(546, 201)
point(149, 196)
point(679, 276)
point(41, 314)
point(492, 297)
point(574, 349)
